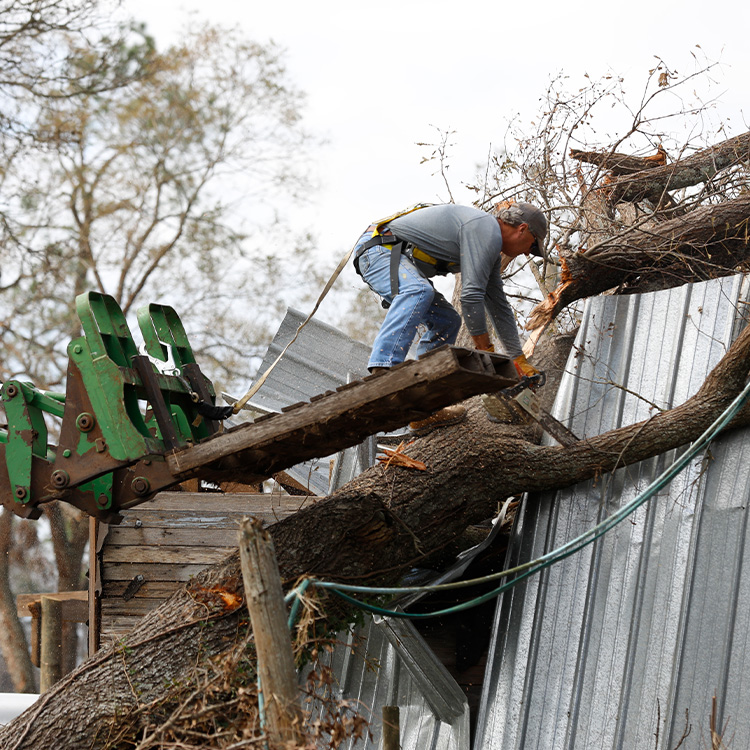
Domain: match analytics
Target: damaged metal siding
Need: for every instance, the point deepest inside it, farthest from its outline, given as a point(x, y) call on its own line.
point(627, 637)
point(387, 663)
point(321, 359)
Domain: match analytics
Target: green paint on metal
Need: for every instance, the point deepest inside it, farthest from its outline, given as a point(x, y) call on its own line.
point(106, 422)
point(26, 437)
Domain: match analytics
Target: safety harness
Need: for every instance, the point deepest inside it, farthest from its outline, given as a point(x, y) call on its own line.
point(398, 246)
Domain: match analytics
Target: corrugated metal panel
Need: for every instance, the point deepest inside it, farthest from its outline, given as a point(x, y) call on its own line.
point(321, 359)
point(387, 663)
point(615, 644)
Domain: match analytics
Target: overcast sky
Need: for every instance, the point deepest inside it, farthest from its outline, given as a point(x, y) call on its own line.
point(379, 75)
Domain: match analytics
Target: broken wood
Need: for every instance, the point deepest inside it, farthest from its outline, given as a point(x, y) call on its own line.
point(264, 598)
point(620, 164)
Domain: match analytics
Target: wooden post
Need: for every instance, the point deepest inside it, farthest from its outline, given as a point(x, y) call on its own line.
point(51, 656)
point(391, 728)
point(265, 603)
point(94, 586)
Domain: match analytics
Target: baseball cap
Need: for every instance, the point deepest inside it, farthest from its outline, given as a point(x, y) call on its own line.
point(526, 213)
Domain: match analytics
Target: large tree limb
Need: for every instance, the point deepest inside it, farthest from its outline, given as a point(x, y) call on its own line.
point(652, 184)
point(709, 242)
point(621, 164)
point(370, 531)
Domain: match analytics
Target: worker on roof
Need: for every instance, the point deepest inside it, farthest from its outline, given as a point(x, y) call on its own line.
point(397, 257)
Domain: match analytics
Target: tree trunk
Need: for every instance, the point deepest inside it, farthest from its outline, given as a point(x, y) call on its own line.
point(370, 531)
point(709, 242)
point(13, 642)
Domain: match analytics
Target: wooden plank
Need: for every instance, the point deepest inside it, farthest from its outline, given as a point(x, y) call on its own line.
point(75, 604)
point(164, 554)
point(149, 590)
point(192, 535)
point(133, 608)
point(204, 519)
point(380, 402)
point(116, 627)
point(219, 502)
point(151, 572)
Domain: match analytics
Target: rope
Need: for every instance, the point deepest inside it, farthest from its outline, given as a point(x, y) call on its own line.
point(257, 385)
point(527, 569)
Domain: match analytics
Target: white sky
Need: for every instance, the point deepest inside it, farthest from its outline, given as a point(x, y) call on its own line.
point(379, 75)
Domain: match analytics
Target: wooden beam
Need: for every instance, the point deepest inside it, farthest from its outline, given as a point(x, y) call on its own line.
point(339, 419)
point(264, 598)
point(73, 604)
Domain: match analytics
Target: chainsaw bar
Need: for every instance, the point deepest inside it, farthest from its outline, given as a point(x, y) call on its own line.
point(519, 400)
point(529, 402)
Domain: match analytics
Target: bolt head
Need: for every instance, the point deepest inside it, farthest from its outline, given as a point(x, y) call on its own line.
point(140, 485)
point(60, 478)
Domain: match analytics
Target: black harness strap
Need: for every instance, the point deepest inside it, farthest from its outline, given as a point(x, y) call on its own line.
point(396, 251)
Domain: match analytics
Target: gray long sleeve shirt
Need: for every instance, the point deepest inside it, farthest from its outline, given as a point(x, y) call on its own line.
point(472, 239)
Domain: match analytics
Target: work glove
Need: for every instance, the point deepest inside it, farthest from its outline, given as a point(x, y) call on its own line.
point(523, 367)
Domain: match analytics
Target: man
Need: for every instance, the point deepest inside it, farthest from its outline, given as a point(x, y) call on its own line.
point(438, 240)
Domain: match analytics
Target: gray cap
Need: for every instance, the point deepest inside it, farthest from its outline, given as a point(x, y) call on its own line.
point(526, 213)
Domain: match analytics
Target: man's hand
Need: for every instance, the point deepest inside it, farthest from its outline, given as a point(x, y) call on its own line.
point(523, 367)
point(482, 341)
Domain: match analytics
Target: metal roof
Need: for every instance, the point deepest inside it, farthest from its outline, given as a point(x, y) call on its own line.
point(321, 359)
point(633, 636)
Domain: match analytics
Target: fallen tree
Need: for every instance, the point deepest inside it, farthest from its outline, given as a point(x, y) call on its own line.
point(373, 529)
point(710, 241)
point(132, 694)
point(651, 184)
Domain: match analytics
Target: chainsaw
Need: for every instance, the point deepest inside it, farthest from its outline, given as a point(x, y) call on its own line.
point(502, 405)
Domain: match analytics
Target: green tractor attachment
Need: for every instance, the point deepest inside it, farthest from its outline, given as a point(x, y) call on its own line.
point(134, 423)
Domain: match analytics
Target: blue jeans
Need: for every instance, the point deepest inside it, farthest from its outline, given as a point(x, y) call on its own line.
point(417, 302)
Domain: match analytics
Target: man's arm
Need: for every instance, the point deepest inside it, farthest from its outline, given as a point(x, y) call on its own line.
point(480, 244)
point(502, 316)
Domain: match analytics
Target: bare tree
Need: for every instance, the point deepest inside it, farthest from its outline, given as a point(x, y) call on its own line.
point(122, 161)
